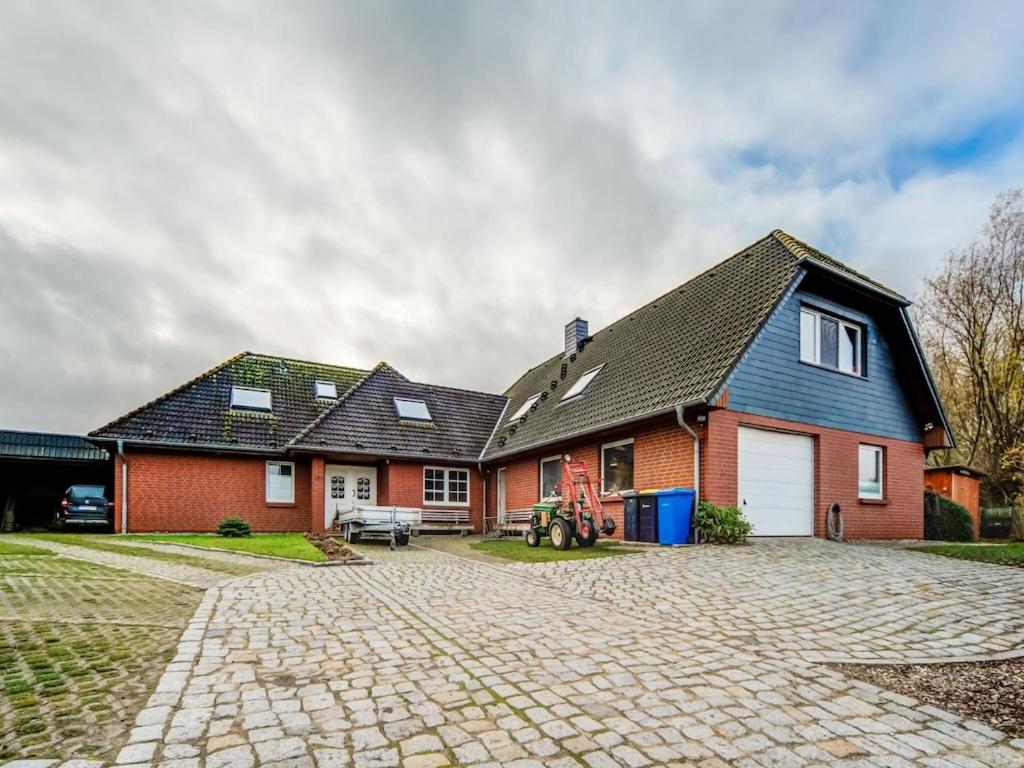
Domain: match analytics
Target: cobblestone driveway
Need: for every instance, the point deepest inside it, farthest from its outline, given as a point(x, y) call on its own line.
point(432, 660)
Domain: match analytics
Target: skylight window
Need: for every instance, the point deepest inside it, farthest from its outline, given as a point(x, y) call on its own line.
point(581, 383)
point(250, 399)
point(327, 390)
point(414, 410)
point(525, 407)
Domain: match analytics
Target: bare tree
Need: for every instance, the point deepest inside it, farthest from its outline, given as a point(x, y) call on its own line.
point(972, 324)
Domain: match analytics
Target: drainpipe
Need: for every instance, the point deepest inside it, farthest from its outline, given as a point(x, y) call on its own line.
point(483, 508)
point(124, 487)
point(680, 414)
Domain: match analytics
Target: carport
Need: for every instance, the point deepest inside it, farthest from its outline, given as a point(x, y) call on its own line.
point(36, 468)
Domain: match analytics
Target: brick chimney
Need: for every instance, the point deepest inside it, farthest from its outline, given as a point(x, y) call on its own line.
point(575, 332)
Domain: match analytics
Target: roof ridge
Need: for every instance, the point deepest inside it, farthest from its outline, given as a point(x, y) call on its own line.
point(181, 387)
point(305, 431)
point(286, 359)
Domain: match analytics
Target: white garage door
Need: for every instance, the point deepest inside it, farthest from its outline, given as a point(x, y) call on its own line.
point(776, 482)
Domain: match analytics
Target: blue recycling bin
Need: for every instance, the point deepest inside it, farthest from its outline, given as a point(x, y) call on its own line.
point(675, 507)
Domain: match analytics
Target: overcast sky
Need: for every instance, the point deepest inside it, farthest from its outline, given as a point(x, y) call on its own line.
point(444, 185)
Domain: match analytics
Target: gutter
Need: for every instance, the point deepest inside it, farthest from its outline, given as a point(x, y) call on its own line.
point(124, 486)
point(591, 430)
point(183, 446)
point(918, 353)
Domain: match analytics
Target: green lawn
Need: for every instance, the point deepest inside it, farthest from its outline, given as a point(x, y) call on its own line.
point(108, 543)
point(516, 549)
point(1001, 554)
point(15, 549)
point(290, 545)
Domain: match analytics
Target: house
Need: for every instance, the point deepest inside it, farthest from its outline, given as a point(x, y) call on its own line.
point(779, 380)
point(288, 444)
point(960, 483)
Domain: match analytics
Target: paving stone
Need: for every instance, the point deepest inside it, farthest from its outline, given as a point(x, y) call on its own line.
point(427, 654)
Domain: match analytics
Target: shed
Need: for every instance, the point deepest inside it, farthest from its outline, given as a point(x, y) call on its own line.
point(36, 468)
point(960, 483)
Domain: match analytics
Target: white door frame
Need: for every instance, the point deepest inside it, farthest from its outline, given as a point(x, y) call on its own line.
point(344, 496)
point(500, 485)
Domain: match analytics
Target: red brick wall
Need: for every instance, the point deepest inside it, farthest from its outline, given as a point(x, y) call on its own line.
point(194, 492)
point(401, 483)
point(898, 516)
point(662, 458)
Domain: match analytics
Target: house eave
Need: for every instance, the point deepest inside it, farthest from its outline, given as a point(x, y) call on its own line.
point(594, 430)
point(188, 446)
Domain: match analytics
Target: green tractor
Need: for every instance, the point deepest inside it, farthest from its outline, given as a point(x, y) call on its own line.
point(573, 518)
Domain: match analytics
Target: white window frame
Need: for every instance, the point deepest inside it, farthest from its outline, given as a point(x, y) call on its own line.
point(238, 394)
point(579, 388)
point(815, 359)
point(447, 487)
point(540, 479)
point(879, 452)
point(321, 383)
point(429, 417)
point(617, 444)
point(266, 482)
point(525, 407)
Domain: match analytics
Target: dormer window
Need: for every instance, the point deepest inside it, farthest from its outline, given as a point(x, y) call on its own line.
point(250, 399)
point(325, 390)
point(830, 342)
point(412, 410)
point(525, 407)
point(582, 383)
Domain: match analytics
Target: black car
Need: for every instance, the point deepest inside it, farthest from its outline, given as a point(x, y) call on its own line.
point(85, 505)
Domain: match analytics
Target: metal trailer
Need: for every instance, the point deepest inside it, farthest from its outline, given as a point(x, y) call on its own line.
point(394, 523)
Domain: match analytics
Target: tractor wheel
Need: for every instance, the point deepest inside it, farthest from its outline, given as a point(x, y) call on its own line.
point(587, 534)
point(560, 533)
point(532, 538)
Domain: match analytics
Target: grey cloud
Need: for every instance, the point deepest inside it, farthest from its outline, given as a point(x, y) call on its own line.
point(442, 185)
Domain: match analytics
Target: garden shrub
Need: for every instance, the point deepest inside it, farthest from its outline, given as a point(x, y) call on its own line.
point(234, 528)
point(953, 523)
point(720, 525)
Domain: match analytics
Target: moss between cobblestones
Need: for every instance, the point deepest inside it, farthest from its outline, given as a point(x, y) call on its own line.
point(105, 544)
point(74, 669)
point(14, 549)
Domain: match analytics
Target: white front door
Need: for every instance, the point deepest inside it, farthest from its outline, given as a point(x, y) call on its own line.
point(776, 482)
point(501, 496)
point(347, 486)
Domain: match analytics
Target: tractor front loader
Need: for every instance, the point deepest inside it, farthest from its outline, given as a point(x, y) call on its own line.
point(575, 516)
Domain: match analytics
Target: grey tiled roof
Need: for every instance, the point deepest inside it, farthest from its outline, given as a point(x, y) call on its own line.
point(366, 422)
point(674, 350)
point(44, 445)
point(199, 412)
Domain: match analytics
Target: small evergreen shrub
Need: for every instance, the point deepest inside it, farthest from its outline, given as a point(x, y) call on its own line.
point(234, 528)
point(953, 522)
point(720, 525)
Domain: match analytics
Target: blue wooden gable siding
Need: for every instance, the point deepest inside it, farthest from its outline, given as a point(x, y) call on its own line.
point(770, 380)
